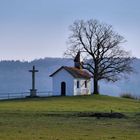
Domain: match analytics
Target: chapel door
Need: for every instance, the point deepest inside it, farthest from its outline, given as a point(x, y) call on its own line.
point(63, 89)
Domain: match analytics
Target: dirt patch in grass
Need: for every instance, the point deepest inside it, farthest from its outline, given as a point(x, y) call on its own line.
point(102, 115)
point(137, 114)
point(88, 114)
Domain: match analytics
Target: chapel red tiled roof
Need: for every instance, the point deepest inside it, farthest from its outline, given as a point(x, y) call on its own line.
point(75, 72)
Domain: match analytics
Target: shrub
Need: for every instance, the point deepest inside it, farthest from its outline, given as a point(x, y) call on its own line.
point(127, 95)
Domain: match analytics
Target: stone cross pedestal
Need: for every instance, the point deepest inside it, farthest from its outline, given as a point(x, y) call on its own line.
point(33, 91)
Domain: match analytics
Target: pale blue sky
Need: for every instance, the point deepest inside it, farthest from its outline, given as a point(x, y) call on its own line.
point(32, 29)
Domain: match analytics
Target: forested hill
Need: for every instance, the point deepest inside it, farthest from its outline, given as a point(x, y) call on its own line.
point(14, 76)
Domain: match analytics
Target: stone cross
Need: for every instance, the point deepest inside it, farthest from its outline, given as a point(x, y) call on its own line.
point(33, 90)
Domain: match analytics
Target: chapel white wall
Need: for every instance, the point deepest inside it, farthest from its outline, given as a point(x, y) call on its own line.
point(82, 90)
point(58, 78)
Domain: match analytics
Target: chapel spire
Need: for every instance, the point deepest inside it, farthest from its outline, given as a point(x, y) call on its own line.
point(77, 62)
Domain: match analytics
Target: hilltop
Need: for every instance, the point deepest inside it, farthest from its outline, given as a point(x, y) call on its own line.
point(55, 118)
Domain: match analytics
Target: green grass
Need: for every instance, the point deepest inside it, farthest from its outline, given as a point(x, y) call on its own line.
point(31, 119)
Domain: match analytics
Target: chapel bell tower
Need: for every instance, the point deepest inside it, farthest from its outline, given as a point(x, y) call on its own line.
point(77, 62)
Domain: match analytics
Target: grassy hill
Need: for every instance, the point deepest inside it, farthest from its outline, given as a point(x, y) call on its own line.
point(55, 118)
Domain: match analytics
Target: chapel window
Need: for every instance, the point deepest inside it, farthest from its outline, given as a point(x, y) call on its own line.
point(85, 84)
point(78, 84)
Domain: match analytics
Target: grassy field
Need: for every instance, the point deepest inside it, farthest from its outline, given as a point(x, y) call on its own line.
point(55, 118)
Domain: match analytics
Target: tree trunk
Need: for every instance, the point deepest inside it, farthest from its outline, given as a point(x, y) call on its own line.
point(96, 87)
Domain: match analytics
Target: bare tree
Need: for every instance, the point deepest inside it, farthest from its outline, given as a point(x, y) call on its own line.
point(101, 49)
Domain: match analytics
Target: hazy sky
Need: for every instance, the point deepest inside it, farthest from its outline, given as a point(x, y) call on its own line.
point(32, 29)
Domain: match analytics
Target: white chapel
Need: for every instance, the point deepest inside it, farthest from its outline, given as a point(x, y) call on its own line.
point(71, 81)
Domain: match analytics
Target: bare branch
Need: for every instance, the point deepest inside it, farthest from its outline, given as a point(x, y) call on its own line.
point(101, 50)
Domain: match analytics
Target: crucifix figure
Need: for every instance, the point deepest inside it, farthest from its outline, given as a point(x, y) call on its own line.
point(33, 90)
